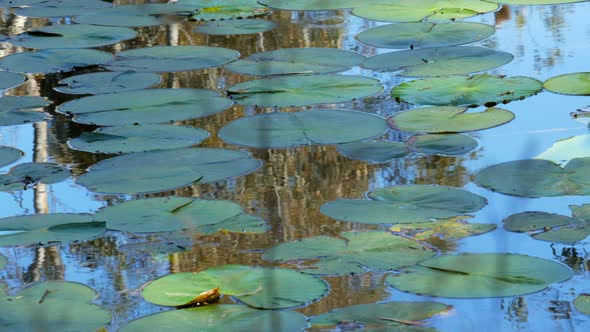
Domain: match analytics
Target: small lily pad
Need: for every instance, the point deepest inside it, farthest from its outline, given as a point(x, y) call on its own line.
point(569, 84)
point(107, 82)
point(209, 10)
point(448, 229)
point(258, 287)
point(20, 110)
point(8, 155)
point(235, 27)
point(310, 4)
point(23, 176)
point(479, 275)
point(442, 144)
point(10, 80)
point(53, 60)
point(133, 138)
point(582, 303)
point(58, 8)
point(147, 14)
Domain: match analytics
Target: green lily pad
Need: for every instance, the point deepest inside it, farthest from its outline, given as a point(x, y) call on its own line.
point(537, 178)
point(3, 262)
point(172, 213)
point(59, 8)
point(442, 144)
point(479, 275)
point(220, 318)
point(53, 306)
point(418, 10)
point(301, 90)
point(425, 34)
point(8, 155)
point(284, 130)
point(53, 60)
point(286, 61)
point(47, 229)
point(107, 82)
point(10, 80)
point(20, 110)
point(448, 119)
point(235, 27)
point(439, 61)
point(209, 10)
point(569, 84)
point(351, 252)
point(582, 303)
point(258, 287)
point(145, 106)
point(23, 176)
point(449, 229)
point(136, 15)
point(482, 89)
point(171, 58)
point(374, 151)
point(535, 2)
point(310, 4)
point(130, 138)
point(562, 151)
point(160, 170)
point(405, 204)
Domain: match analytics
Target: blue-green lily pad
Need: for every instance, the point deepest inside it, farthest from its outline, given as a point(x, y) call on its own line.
point(569, 84)
point(58, 8)
point(107, 82)
point(582, 303)
point(143, 15)
point(209, 10)
point(10, 80)
point(235, 27)
point(8, 155)
point(20, 110)
point(53, 60)
point(23, 176)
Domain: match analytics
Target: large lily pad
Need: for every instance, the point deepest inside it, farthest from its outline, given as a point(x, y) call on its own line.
point(53, 306)
point(47, 229)
point(482, 89)
point(171, 58)
point(58, 8)
point(448, 119)
point(285, 61)
point(562, 151)
point(107, 82)
point(10, 80)
point(20, 110)
point(439, 61)
point(283, 130)
point(235, 27)
point(145, 106)
point(208, 10)
point(447, 229)
point(304, 90)
point(8, 155)
point(537, 178)
point(162, 214)
point(569, 84)
point(310, 4)
point(130, 138)
point(425, 34)
point(160, 170)
point(351, 252)
point(582, 303)
point(258, 287)
point(53, 60)
point(26, 175)
point(480, 275)
point(405, 204)
point(136, 15)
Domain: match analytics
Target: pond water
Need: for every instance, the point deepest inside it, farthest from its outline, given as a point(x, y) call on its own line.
point(288, 190)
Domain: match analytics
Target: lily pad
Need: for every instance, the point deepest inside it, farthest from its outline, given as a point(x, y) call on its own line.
point(286, 61)
point(351, 252)
point(10, 80)
point(107, 82)
point(59, 8)
point(439, 61)
point(284, 130)
point(220, 318)
point(53, 306)
point(562, 151)
point(209, 10)
point(374, 151)
point(20, 110)
point(405, 204)
point(482, 89)
point(8, 155)
point(310, 4)
point(48, 229)
point(425, 34)
point(258, 287)
point(235, 27)
point(304, 90)
point(442, 144)
point(569, 84)
point(26, 175)
point(147, 14)
point(582, 303)
point(172, 213)
point(130, 138)
point(448, 119)
point(53, 60)
point(171, 58)
point(145, 106)
point(479, 275)
point(537, 178)
point(449, 229)
point(160, 170)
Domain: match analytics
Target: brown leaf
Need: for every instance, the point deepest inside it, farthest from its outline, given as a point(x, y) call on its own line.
point(205, 298)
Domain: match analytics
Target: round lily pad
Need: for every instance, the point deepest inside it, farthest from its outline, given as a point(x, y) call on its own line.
point(439, 61)
point(163, 214)
point(8, 155)
point(442, 144)
point(285, 61)
point(146, 14)
point(59, 8)
point(537, 178)
point(220, 318)
point(160, 170)
point(3, 262)
point(107, 82)
point(130, 138)
point(145, 106)
point(303, 90)
point(482, 89)
point(23, 176)
point(235, 27)
point(425, 34)
point(569, 84)
point(351, 252)
point(258, 287)
point(209, 10)
point(53, 306)
point(448, 119)
point(310, 4)
point(582, 303)
point(479, 275)
point(48, 229)
point(53, 60)
point(171, 58)
point(283, 130)
point(20, 110)
point(405, 204)
point(10, 80)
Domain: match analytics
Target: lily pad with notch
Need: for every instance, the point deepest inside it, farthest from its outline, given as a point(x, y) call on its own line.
point(23, 176)
point(58, 8)
point(8, 155)
point(10, 80)
point(569, 84)
point(17, 110)
point(235, 27)
point(209, 10)
point(53, 60)
point(147, 14)
point(107, 82)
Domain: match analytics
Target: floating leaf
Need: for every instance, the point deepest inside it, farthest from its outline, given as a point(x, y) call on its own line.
point(562, 151)
point(310, 4)
point(20, 110)
point(405, 204)
point(10, 80)
point(58, 8)
point(136, 15)
point(479, 275)
point(107, 82)
point(283, 130)
point(160, 170)
point(23, 176)
point(448, 229)
point(304, 90)
point(442, 144)
point(258, 287)
point(205, 298)
point(8, 155)
point(374, 151)
point(235, 27)
point(208, 10)
point(569, 84)
point(53, 60)
point(582, 303)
